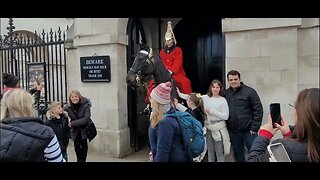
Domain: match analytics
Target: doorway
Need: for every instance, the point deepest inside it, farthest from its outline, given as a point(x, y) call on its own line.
point(202, 43)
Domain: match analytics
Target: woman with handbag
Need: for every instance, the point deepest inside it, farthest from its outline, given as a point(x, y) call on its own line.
point(80, 114)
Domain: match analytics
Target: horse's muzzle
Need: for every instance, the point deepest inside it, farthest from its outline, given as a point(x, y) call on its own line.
point(131, 78)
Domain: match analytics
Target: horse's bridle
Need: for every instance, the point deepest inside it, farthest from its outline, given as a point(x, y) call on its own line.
point(149, 61)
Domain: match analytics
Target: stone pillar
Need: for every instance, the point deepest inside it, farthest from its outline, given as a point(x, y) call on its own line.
point(265, 51)
point(308, 53)
point(98, 37)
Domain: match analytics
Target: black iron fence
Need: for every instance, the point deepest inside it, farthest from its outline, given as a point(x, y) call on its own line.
point(36, 58)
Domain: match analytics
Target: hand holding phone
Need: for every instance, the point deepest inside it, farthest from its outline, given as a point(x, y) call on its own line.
point(275, 113)
point(278, 153)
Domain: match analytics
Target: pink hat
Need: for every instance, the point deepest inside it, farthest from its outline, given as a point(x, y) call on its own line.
point(161, 93)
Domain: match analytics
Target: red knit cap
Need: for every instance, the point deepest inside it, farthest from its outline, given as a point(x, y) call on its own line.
point(161, 93)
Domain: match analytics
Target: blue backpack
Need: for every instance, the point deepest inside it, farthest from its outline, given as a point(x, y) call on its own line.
point(191, 131)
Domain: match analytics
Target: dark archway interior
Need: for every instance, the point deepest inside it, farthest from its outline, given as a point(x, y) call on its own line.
point(202, 43)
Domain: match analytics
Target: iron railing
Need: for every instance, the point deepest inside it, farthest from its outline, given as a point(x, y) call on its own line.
point(32, 56)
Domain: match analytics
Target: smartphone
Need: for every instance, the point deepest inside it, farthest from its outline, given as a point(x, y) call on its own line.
point(278, 153)
point(275, 113)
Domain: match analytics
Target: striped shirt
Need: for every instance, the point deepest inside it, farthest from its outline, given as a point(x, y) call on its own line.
point(53, 152)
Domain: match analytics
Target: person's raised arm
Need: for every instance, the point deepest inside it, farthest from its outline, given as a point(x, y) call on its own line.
point(182, 95)
point(179, 106)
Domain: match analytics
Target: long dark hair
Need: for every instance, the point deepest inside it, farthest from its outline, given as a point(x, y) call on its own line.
point(221, 93)
point(308, 121)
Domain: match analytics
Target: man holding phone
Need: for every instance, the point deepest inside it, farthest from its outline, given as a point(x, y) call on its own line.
point(245, 114)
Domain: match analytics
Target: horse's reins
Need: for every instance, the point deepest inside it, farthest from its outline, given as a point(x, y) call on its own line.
point(149, 60)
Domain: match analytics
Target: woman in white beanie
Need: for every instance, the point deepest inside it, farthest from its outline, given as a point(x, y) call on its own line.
point(164, 132)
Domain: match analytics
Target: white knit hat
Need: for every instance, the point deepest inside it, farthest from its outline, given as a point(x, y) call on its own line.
point(161, 93)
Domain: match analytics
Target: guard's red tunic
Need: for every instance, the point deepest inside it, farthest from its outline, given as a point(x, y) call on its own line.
point(173, 62)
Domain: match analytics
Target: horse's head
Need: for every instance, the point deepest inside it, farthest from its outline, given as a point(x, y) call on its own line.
point(142, 67)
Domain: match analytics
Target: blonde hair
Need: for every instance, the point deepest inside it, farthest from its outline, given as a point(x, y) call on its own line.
point(17, 103)
point(52, 105)
point(76, 92)
point(157, 114)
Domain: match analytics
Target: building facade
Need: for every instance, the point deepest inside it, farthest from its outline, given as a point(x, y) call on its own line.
point(276, 56)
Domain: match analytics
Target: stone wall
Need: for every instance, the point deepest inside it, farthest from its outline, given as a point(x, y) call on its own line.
point(98, 37)
point(308, 53)
point(277, 57)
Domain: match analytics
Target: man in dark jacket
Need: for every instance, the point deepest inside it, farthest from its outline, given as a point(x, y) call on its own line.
point(245, 114)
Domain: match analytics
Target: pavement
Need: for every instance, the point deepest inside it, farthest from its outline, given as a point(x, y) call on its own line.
point(140, 156)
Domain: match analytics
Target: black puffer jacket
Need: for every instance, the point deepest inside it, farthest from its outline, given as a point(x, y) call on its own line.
point(24, 139)
point(296, 150)
point(80, 118)
point(245, 109)
point(196, 114)
point(61, 129)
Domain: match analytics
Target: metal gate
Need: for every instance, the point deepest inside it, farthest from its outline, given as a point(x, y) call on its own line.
point(34, 57)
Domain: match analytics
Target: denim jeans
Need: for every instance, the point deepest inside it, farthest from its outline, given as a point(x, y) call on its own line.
point(238, 140)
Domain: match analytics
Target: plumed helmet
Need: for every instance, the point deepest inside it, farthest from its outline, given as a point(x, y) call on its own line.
point(169, 34)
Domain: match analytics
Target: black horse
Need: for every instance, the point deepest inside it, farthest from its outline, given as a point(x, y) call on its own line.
point(148, 64)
